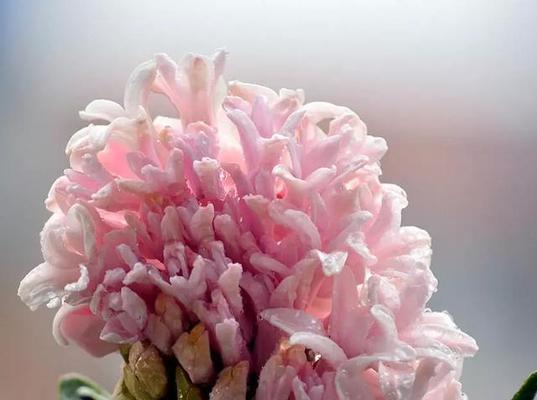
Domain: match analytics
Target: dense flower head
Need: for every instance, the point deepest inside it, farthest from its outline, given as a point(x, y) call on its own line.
point(249, 235)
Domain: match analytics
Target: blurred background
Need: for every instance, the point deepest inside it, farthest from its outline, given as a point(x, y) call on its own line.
point(452, 86)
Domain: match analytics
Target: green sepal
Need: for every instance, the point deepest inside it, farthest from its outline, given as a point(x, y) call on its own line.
point(528, 389)
point(77, 387)
point(148, 367)
point(135, 388)
point(121, 392)
point(186, 390)
point(123, 395)
point(124, 351)
point(144, 374)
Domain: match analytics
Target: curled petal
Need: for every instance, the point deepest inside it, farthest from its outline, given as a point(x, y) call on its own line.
point(44, 284)
point(79, 325)
point(105, 110)
point(292, 321)
point(138, 87)
point(230, 341)
point(135, 306)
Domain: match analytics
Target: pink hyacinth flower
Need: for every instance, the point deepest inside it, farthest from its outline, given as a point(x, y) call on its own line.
point(243, 216)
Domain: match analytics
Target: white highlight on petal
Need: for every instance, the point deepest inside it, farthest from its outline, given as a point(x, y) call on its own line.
point(332, 263)
point(292, 321)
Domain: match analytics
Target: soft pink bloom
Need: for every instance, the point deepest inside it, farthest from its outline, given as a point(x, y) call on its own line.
point(258, 216)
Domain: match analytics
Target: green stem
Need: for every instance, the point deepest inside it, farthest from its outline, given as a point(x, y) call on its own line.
point(528, 389)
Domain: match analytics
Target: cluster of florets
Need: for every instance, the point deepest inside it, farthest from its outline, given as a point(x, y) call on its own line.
point(250, 236)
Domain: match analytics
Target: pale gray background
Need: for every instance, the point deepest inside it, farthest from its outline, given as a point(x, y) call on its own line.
point(451, 84)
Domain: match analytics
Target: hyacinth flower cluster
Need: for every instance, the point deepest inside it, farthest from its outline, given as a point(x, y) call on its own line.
point(243, 248)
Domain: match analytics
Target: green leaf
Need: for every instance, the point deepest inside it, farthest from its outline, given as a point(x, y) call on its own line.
point(186, 390)
point(78, 387)
point(528, 389)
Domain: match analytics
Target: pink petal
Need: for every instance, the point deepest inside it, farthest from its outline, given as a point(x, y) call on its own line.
point(329, 350)
point(292, 321)
point(79, 325)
